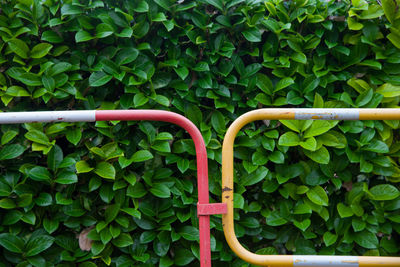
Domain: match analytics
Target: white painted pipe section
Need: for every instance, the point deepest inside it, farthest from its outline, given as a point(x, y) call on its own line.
point(47, 116)
point(325, 261)
point(327, 114)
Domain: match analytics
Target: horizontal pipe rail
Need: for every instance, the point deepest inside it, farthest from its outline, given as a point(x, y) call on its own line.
point(136, 115)
point(227, 186)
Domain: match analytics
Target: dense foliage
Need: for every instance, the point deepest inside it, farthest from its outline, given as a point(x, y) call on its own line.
point(312, 187)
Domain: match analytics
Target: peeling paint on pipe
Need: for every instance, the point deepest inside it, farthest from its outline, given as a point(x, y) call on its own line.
point(326, 114)
point(47, 116)
point(325, 261)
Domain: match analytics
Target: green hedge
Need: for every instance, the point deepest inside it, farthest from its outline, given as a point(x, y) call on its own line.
point(301, 187)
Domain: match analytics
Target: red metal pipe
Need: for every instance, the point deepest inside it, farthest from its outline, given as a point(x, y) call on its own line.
point(201, 155)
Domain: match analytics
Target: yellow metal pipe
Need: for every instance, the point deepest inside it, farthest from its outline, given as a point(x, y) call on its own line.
point(227, 183)
point(366, 261)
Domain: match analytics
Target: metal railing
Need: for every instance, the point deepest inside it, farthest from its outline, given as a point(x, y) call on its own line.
point(205, 209)
point(227, 186)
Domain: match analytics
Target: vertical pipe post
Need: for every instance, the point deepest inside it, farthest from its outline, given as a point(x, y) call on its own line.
point(201, 155)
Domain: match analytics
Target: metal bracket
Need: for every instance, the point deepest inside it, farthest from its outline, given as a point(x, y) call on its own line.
point(211, 209)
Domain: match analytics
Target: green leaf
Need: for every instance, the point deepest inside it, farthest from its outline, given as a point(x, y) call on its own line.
point(110, 67)
point(59, 68)
point(377, 146)
point(182, 72)
point(8, 136)
point(126, 56)
point(70, 9)
point(320, 156)
point(139, 100)
point(12, 243)
point(52, 37)
point(389, 90)
point(37, 137)
point(297, 126)
point(82, 36)
point(123, 240)
point(161, 146)
point(309, 144)
point(216, 3)
point(103, 30)
point(353, 24)
point(97, 247)
point(189, 233)
point(39, 173)
point(366, 239)
point(364, 98)
point(147, 237)
point(17, 91)
point(38, 244)
point(329, 238)
point(7, 203)
point(30, 79)
point(66, 177)
point(344, 211)
point(12, 217)
point(254, 177)
point(43, 200)
point(289, 139)
point(265, 84)
point(99, 78)
point(310, 83)
point(140, 29)
point(105, 170)
point(319, 127)
point(251, 69)
point(282, 84)
point(389, 7)
point(19, 47)
point(252, 35)
point(274, 219)
point(303, 225)
point(183, 256)
point(318, 196)
point(50, 225)
point(83, 167)
point(111, 213)
point(218, 122)
point(277, 157)
point(160, 190)
point(142, 155)
point(40, 50)
point(395, 39)
point(373, 11)
point(384, 192)
point(74, 135)
point(11, 151)
point(299, 57)
point(142, 7)
point(358, 224)
point(49, 83)
point(183, 165)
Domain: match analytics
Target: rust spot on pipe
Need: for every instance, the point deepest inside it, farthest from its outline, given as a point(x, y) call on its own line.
point(316, 117)
point(226, 196)
point(349, 261)
point(60, 119)
point(226, 189)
